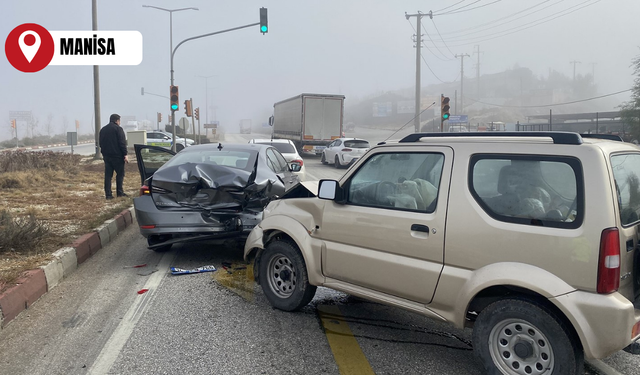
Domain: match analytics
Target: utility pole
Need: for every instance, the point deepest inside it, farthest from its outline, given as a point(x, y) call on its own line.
point(462, 56)
point(478, 72)
point(574, 62)
point(96, 85)
point(419, 15)
point(593, 73)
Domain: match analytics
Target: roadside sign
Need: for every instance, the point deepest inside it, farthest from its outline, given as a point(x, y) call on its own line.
point(213, 125)
point(72, 138)
point(458, 119)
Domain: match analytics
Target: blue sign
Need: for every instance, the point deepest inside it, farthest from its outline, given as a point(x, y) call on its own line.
point(458, 119)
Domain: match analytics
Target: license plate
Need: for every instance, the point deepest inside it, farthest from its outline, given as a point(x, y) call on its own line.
point(320, 147)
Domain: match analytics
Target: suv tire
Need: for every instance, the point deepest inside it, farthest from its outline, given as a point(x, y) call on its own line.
point(515, 336)
point(283, 276)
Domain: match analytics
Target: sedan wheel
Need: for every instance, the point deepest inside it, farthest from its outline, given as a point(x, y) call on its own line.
point(323, 160)
point(337, 162)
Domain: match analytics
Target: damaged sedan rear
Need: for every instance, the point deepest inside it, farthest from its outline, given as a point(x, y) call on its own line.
point(210, 191)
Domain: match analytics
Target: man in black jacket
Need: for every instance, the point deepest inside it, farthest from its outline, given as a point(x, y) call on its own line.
point(113, 145)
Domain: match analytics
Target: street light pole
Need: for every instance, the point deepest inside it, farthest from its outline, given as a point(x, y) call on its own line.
point(173, 116)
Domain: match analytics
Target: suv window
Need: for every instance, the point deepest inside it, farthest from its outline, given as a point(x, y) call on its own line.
point(534, 190)
point(407, 181)
point(626, 173)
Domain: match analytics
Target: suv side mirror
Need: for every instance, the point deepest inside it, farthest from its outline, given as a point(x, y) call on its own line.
point(294, 167)
point(329, 189)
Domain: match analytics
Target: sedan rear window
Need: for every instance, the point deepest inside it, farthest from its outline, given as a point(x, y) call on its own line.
point(356, 144)
point(235, 159)
point(284, 148)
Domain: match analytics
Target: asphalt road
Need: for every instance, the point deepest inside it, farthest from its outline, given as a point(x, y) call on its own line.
point(95, 322)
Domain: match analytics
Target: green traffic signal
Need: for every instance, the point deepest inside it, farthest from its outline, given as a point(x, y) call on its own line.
point(263, 28)
point(174, 107)
point(263, 21)
point(445, 116)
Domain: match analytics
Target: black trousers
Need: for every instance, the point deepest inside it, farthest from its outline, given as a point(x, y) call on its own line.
point(112, 164)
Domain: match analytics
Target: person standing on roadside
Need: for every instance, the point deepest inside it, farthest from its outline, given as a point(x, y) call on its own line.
point(113, 146)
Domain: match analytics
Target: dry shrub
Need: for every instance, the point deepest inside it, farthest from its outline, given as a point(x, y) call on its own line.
point(21, 234)
point(15, 161)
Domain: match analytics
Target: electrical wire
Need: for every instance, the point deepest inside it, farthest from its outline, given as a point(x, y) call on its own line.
point(466, 10)
point(410, 121)
point(427, 64)
point(450, 6)
point(548, 105)
point(436, 46)
point(518, 29)
point(445, 44)
point(427, 48)
point(493, 22)
point(462, 7)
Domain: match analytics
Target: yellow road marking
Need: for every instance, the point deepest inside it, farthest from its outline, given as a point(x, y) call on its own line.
point(345, 348)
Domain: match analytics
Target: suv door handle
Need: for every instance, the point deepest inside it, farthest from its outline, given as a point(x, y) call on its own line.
point(419, 228)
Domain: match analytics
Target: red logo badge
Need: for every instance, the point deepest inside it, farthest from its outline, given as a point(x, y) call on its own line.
point(29, 47)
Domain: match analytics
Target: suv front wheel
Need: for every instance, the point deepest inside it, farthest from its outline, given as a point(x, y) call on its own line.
point(283, 276)
point(519, 337)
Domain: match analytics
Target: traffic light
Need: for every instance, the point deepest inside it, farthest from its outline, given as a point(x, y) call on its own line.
point(264, 28)
point(13, 124)
point(187, 108)
point(175, 101)
point(159, 117)
point(197, 113)
point(444, 108)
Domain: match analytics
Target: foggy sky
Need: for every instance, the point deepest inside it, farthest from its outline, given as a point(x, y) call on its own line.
point(351, 47)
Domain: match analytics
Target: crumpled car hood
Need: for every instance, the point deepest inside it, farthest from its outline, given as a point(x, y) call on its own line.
point(210, 187)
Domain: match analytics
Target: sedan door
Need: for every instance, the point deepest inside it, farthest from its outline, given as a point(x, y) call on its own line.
point(150, 158)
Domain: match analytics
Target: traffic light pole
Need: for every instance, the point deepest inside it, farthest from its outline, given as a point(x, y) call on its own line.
point(193, 121)
point(173, 53)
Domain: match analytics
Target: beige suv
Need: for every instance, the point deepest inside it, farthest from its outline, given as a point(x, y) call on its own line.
point(531, 239)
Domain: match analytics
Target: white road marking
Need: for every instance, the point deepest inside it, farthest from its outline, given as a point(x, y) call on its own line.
point(118, 339)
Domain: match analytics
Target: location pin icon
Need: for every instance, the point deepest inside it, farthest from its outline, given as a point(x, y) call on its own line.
point(29, 51)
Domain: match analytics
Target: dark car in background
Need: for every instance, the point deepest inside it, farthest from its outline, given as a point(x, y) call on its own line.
point(210, 191)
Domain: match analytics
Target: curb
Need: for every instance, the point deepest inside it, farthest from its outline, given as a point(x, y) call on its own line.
point(33, 284)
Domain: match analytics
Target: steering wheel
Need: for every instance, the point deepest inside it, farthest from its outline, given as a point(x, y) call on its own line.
point(383, 190)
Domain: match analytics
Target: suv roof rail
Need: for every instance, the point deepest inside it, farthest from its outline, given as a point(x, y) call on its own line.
point(564, 138)
point(610, 137)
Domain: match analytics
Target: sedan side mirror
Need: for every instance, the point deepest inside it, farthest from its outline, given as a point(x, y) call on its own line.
point(295, 167)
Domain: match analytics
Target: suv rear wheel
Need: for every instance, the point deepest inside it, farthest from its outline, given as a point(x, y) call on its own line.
point(283, 276)
point(519, 337)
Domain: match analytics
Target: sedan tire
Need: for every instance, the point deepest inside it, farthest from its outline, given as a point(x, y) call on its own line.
point(337, 162)
point(323, 160)
point(521, 337)
point(283, 276)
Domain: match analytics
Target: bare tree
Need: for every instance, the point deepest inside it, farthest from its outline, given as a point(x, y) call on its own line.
point(48, 124)
point(33, 124)
point(65, 124)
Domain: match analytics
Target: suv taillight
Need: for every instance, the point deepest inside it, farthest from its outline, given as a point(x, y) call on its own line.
point(609, 262)
point(144, 190)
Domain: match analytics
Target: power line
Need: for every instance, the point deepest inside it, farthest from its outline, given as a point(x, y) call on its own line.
point(425, 63)
point(464, 6)
point(478, 39)
point(550, 105)
point(445, 44)
point(450, 6)
point(466, 10)
point(428, 49)
point(493, 22)
point(434, 44)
